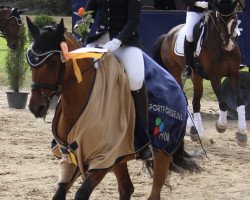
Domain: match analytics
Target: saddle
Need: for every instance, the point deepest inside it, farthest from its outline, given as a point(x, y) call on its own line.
point(200, 36)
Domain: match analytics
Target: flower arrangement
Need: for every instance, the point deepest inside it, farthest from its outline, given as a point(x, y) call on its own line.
point(82, 26)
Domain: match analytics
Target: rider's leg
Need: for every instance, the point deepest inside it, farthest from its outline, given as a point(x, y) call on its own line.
point(132, 60)
point(141, 108)
point(192, 18)
point(188, 51)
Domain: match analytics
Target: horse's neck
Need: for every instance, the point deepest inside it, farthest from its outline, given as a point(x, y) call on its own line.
point(213, 35)
point(75, 96)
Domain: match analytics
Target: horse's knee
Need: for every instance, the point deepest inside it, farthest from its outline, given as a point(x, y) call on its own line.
point(85, 190)
point(125, 186)
point(92, 179)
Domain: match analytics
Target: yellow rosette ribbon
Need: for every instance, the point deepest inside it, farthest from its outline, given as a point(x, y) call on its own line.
point(80, 53)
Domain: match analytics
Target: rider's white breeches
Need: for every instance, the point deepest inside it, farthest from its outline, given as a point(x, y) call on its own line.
point(131, 58)
point(192, 18)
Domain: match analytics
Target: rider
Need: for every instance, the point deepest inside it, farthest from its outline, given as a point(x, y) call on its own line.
point(195, 11)
point(118, 32)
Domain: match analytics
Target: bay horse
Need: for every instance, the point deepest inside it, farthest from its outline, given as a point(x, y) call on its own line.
point(10, 22)
point(219, 57)
point(50, 76)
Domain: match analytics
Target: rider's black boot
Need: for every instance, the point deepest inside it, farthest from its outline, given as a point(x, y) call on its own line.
point(188, 52)
point(141, 109)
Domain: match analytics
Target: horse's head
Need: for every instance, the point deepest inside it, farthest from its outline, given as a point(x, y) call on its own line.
point(47, 67)
point(226, 20)
point(11, 22)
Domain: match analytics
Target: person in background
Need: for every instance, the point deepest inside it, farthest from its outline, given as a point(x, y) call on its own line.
point(117, 31)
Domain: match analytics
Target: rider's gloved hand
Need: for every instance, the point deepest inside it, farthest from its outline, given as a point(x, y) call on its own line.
point(202, 4)
point(112, 45)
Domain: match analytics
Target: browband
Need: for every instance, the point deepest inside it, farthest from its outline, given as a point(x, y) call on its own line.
point(35, 60)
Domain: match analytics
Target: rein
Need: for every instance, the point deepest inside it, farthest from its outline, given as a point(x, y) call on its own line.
point(219, 15)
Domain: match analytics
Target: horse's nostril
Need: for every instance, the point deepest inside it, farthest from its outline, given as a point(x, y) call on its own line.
point(38, 111)
point(41, 108)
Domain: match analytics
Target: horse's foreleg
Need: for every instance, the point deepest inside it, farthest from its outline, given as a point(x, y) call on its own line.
point(161, 167)
point(198, 92)
point(63, 188)
point(221, 124)
point(125, 186)
point(241, 134)
point(67, 176)
point(93, 178)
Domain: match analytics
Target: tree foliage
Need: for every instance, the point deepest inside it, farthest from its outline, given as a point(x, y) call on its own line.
point(37, 7)
point(16, 66)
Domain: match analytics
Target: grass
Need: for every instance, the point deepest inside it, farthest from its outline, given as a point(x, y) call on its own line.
point(208, 93)
point(3, 53)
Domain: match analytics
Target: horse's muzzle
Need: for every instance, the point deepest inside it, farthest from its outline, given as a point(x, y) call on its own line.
point(38, 107)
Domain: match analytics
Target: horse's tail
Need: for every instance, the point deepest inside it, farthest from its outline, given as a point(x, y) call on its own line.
point(156, 55)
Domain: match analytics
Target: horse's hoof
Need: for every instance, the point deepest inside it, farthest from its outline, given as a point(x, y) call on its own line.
point(194, 134)
point(241, 137)
point(220, 128)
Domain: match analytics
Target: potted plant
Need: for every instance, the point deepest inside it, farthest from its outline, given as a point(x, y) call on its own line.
point(16, 69)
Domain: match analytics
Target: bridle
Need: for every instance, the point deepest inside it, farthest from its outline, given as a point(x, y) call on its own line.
point(225, 19)
point(36, 60)
point(6, 24)
point(57, 88)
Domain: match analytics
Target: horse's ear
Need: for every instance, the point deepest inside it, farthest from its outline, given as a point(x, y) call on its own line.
point(14, 12)
point(22, 11)
point(60, 28)
point(34, 31)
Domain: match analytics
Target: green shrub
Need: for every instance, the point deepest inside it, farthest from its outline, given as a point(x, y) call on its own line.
point(43, 20)
point(16, 66)
point(37, 7)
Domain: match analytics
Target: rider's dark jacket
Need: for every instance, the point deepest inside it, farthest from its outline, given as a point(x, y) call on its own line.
point(193, 8)
point(119, 17)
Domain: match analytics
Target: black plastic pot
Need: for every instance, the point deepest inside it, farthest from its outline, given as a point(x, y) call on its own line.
point(17, 100)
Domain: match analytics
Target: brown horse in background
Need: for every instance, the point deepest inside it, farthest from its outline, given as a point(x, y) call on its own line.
point(219, 57)
point(52, 76)
point(10, 22)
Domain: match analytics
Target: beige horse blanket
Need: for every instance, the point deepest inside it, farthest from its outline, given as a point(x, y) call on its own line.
point(105, 130)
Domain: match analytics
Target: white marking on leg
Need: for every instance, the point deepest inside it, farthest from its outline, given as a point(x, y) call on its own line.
point(222, 118)
point(241, 117)
point(198, 124)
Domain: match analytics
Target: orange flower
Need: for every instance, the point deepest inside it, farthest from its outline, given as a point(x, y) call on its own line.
point(81, 11)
